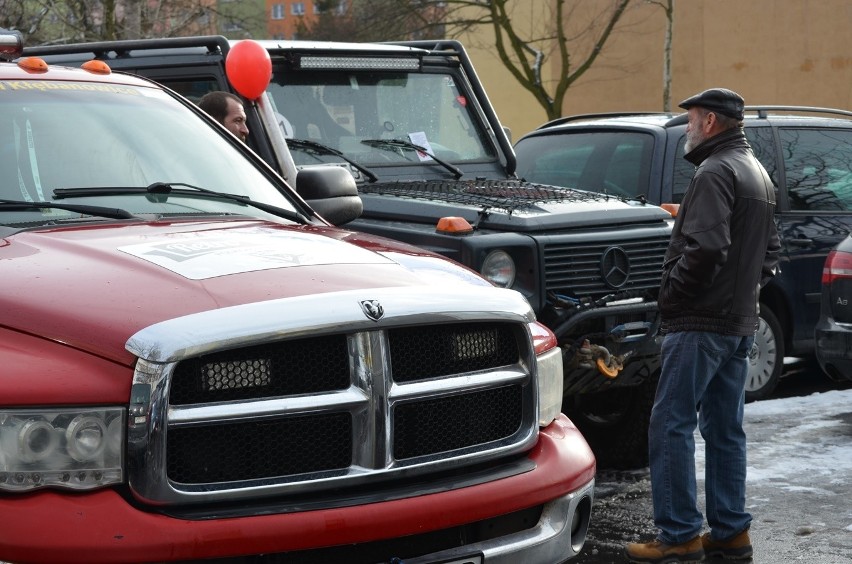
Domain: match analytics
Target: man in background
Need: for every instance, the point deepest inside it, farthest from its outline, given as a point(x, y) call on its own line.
point(227, 109)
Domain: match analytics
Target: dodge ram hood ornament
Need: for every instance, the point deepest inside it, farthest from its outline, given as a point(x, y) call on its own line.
point(372, 309)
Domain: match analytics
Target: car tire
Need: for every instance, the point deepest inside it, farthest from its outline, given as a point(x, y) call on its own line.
point(615, 423)
point(766, 357)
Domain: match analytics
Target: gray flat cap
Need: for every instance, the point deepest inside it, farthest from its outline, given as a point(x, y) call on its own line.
point(721, 100)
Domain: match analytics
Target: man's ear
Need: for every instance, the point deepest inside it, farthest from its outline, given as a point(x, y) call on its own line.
point(711, 124)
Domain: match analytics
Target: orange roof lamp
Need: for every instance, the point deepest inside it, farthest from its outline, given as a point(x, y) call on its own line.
point(671, 208)
point(96, 67)
point(453, 225)
point(33, 64)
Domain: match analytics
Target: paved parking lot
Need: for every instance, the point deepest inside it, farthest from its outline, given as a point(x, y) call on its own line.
point(799, 484)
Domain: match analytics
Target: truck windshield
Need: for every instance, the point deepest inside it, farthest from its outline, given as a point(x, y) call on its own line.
point(56, 135)
point(343, 109)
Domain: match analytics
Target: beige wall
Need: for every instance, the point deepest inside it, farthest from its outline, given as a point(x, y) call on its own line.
point(770, 51)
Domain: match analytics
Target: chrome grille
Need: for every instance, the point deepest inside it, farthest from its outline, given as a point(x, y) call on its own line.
point(338, 405)
point(458, 421)
point(302, 366)
point(259, 449)
point(474, 347)
point(574, 267)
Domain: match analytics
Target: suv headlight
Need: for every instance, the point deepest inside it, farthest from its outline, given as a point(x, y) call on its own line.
point(499, 269)
point(74, 448)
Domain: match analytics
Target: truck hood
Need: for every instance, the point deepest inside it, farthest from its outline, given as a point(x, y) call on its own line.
point(91, 288)
point(506, 205)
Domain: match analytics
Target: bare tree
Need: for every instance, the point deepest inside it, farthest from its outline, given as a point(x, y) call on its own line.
point(569, 38)
point(373, 20)
point(53, 21)
point(668, 8)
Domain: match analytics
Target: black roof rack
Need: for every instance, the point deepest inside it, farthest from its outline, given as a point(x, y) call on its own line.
point(679, 119)
point(578, 117)
point(121, 48)
point(763, 111)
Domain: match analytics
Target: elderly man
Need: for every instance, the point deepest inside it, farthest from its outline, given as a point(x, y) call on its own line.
point(227, 109)
point(724, 248)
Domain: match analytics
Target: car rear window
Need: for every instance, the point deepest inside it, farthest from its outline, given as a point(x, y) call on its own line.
point(616, 163)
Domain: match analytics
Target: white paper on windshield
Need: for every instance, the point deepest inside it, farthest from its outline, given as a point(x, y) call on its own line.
point(419, 138)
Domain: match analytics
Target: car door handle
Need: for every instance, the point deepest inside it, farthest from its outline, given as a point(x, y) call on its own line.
point(800, 241)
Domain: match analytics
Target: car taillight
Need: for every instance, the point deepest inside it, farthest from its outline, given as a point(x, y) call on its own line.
point(838, 264)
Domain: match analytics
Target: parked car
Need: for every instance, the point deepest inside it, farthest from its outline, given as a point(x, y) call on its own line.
point(833, 334)
point(196, 366)
point(639, 156)
point(590, 266)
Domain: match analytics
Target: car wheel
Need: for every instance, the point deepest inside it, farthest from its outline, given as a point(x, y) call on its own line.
point(766, 357)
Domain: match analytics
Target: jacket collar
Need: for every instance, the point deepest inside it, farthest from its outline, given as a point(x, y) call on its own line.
point(731, 137)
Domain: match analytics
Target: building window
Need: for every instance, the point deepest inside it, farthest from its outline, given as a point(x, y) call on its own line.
point(278, 11)
point(297, 8)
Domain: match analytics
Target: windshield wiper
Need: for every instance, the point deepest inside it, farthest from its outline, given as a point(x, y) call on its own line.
point(166, 188)
point(325, 149)
point(99, 211)
point(403, 144)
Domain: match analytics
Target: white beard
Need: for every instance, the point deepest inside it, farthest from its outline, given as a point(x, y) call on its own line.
point(693, 139)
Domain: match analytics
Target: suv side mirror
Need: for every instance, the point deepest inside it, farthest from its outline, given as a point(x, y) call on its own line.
point(331, 191)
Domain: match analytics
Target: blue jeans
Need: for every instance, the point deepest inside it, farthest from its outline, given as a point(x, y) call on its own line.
point(702, 383)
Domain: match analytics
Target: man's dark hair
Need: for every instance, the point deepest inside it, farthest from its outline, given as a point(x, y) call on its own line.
point(216, 104)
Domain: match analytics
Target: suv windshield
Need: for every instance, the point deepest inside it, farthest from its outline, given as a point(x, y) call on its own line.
point(343, 110)
point(618, 164)
point(57, 135)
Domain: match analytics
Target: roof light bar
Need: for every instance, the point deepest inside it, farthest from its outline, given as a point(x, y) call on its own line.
point(359, 63)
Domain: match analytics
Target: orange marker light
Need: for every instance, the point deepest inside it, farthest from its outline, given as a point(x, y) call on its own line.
point(33, 64)
point(671, 208)
point(453, 226)
point(96, 67)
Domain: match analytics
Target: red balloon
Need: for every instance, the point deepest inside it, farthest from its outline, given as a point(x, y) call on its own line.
point(249, 68)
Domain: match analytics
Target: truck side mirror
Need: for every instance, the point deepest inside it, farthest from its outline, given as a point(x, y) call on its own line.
point(331, 191)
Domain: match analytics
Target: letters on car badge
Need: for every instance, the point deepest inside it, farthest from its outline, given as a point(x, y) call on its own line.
point(372, 309)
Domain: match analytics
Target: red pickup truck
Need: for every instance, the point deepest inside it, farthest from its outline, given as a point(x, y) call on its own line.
point(196, 365)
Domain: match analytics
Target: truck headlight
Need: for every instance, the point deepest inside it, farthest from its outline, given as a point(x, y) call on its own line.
point(499, 269)
point(74, 448)
point(549, 386)
point(549, 365)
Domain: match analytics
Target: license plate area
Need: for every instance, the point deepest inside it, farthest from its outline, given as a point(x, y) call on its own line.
point(472, 559)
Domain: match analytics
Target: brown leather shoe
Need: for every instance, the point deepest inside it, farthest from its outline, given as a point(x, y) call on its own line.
point(737, 547)
point(657, 552)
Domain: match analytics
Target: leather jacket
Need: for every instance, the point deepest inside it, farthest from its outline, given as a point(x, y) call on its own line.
point(724, 244)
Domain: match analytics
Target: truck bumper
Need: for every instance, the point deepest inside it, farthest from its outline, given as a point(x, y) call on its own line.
point(52, 526)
